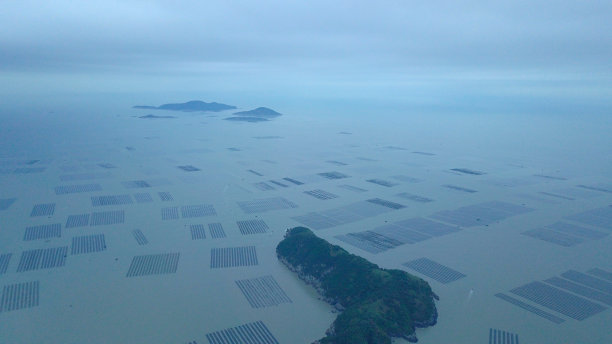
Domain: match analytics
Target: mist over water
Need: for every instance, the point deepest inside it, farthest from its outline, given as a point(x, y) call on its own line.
point(468, 144)
point(530, 160)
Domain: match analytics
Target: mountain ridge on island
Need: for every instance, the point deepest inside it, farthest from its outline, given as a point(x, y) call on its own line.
point(259, 112)
point(376, 304)
point(190, 106)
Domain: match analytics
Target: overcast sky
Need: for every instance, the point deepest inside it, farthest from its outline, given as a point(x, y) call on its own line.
point(452, 49)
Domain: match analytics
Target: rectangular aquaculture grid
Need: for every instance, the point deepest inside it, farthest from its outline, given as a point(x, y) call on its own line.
point(603, 274)
point(251, 333)
point(553, 237)
point(136, 184)
point(85, 176)
point(321, 194)
point(391, 235)
point(5, 259)
point(343, 215)
point(291, 180)
point(42, 258)
point(278, 183)
point(316, 221)
point(333, 175)
point(255, 173)
point(549, 177)
point(336, 162)
point(359, 242)
point(467, 171)
point(98, 201)
point(578, 193)
point(459, 188)
point(382, 182)
point(197, 232)
point(340, 215)
point(581, 290)
point(406, 179)
point(558, 300)
point(153, 264)
point(88, 244)
point(576, 230)
point(502, 337)
point(189, 168)
point(266, 204)
point(140, 237)
point(216, 230)
point(252, 226)
point(143, 197)
point(5, 203)
point(110, 217)
point(481, 214)
point(80, 220)
point(19, 296)
point(165, 196)
point(53, 230)
point(263, 186)
point(597, 187)
point(548, 316)
point(46, 209)
point(170, 213)
point(352, 188)
point(386, 203)
point(369, 241)
point(426, 226)
point(228, 257)
point(414, 198)
point(401, 234)
point(436, 271)
point(199, 210)
point(601, 217)
point(80, 188)
point(567, 198)
point(588, 280)
point(262, 292)
point(28, 170)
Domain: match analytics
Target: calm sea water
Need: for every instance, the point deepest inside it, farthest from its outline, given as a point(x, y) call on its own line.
point(90, 299)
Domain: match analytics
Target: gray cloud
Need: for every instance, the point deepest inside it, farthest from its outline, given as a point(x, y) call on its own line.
point(344, 44)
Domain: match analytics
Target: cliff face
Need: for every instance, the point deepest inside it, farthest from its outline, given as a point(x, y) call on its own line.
point(377, 304)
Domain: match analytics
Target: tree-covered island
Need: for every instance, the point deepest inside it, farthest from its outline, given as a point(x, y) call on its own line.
point(377, 304)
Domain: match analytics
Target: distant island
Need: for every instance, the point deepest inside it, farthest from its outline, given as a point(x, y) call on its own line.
point(190, 106)
point(154, 117)
point(246, 119)
point(377, 304)
point(263, 112)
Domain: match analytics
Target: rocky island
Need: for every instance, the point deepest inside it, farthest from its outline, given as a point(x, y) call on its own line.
point(190, 106)
point(246, 119)
point(261, 114)
point(376, 304)
point(149, 116)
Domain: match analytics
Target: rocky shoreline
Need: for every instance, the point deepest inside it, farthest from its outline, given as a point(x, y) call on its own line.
point(316, 284)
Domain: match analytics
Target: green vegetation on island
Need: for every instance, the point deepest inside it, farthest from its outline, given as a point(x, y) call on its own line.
point(377, 304)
